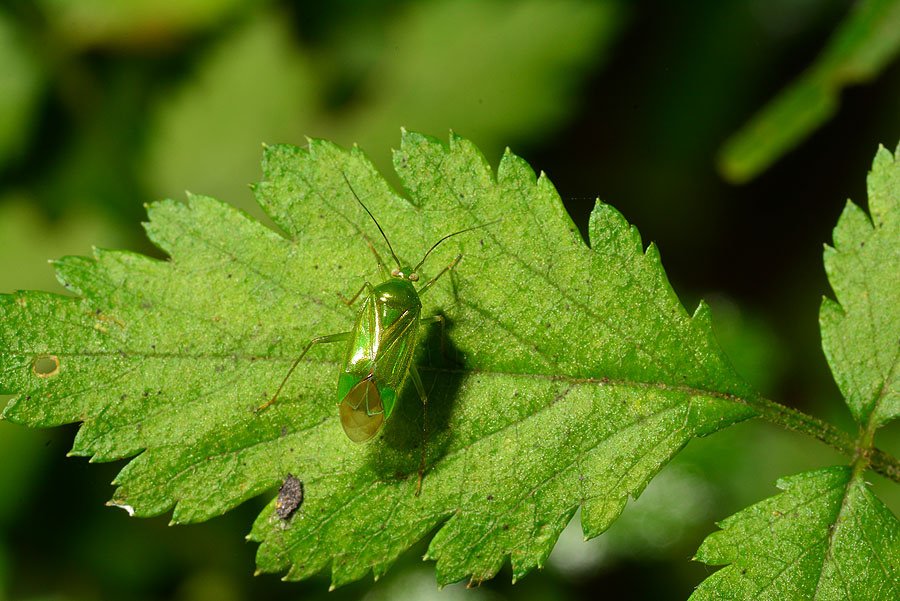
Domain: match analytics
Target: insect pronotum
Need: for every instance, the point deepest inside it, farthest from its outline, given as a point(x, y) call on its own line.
point(381, 345)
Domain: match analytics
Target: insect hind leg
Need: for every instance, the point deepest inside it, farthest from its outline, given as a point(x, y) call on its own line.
point(339, 337)
point(420, 388)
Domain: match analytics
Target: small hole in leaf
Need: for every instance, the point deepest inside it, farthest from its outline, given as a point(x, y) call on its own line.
point(45, 366)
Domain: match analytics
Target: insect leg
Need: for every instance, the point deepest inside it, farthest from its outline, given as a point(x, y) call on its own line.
point(430, 282)
point(339, 337)
point(349, 302)
point(420, 388)
point(437, 318)
point(385, 272)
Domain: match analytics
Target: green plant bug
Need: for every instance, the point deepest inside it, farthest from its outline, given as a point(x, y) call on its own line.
point(381, 346)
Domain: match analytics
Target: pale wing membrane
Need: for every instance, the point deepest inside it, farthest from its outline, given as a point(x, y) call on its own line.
point(395, 353)
point(361, 411)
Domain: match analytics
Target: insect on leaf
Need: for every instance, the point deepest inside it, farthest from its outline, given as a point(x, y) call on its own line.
point(566, 374)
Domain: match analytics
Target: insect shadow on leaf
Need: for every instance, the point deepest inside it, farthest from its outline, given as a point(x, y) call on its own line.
point(408, 445)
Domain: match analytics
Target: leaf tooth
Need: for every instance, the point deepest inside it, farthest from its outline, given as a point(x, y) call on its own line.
point(598, 513)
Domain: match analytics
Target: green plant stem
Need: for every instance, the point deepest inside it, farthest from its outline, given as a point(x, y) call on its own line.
point(879, 461)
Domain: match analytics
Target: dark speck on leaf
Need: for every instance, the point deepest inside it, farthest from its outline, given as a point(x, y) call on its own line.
point(290, 497)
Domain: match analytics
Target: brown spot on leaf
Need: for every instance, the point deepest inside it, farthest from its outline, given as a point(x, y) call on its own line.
point(45, 366)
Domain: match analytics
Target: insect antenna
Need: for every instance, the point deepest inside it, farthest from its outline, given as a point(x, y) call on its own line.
point(378, 225)
point(468, 229)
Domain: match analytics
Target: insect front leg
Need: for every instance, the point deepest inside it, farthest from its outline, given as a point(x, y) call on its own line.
point(431, 282)
point(367, 287)
point(339, 337)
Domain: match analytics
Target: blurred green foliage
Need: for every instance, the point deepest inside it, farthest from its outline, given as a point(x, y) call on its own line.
point(107, 105)
point(20, 81)
point(865, 43)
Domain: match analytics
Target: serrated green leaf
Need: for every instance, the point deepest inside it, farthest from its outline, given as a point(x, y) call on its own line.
point(864, 44)
point(861, 331)
point(825, 537)
point(567, 376)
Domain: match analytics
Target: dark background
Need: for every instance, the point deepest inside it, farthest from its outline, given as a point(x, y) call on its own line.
point(108, 108)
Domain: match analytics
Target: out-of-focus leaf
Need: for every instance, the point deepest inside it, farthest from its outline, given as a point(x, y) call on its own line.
point(493, 71)
point(826, 537)
point(254, 87)
point(3, 572)
point(134, 22)
point(861, 331)
point(21, 80)
point(418, 583)
point(27, 239)
point(750, 343)
point(21, 453)
point(863, 45)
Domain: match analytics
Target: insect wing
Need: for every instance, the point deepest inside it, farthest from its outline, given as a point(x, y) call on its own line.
point(397, 343)
point(362, 412)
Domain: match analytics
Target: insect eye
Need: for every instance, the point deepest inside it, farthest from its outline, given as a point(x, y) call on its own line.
point(414, 277)
point(395, 273)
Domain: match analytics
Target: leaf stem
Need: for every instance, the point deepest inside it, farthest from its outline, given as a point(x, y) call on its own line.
point(881, 462)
